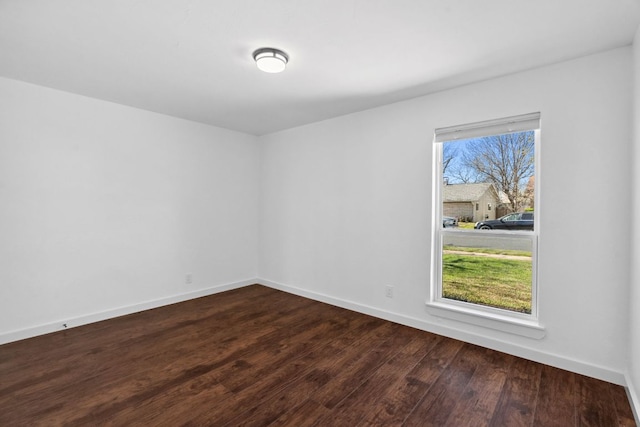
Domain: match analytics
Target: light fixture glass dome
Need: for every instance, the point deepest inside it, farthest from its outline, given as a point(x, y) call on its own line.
point(270, 60)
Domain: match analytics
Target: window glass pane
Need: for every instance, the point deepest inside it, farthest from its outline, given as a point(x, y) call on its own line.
point(489, 270)
point(489, 177)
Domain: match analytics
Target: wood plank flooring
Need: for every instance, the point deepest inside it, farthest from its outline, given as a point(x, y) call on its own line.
point(256, 357)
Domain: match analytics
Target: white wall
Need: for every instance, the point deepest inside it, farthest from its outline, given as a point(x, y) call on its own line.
point(633, 379)
point(105, 206)
point(346, 207)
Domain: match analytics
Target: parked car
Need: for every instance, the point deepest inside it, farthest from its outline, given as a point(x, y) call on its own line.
point(449, 221)
point(512, 221)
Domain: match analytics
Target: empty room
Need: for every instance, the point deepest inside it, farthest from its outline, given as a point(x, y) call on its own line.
point(327, 213)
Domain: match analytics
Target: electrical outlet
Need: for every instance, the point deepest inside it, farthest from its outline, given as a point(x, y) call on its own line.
point(188, 279)
point(388, 291)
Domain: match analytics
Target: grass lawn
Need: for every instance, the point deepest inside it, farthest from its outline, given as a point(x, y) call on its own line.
point(494, 282)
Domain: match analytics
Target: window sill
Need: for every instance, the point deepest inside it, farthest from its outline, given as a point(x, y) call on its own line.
point(523, 327)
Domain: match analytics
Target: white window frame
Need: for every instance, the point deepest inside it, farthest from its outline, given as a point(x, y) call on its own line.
point(500, 319)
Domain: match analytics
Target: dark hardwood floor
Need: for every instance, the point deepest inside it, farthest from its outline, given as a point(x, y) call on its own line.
point(257, 356)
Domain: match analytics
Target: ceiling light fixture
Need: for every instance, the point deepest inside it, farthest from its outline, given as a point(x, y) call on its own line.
point(270, 60)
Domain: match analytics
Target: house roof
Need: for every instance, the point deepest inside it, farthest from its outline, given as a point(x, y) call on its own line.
point(465, 192)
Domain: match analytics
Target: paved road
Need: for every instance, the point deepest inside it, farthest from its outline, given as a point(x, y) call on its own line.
point(488, 241)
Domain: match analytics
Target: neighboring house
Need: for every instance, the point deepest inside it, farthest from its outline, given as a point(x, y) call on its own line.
point(474, 202)
point(504, 207)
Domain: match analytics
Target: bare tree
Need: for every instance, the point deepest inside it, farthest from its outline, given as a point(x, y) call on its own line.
point(453, 170)
point(507, 161)
point(449, 153)
point(461, 174)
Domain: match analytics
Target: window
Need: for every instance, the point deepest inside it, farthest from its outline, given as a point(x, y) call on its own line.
point(485, 268)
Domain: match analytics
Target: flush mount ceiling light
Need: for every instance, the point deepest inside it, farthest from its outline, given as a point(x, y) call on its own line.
point(270, 60)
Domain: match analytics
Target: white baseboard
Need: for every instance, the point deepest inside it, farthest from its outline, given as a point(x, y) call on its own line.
point(117, 312)
point(506, 347)
point(634, 399)
point(561, 362)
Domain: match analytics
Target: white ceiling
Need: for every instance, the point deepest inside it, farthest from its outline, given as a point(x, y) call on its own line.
point(192, 58)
